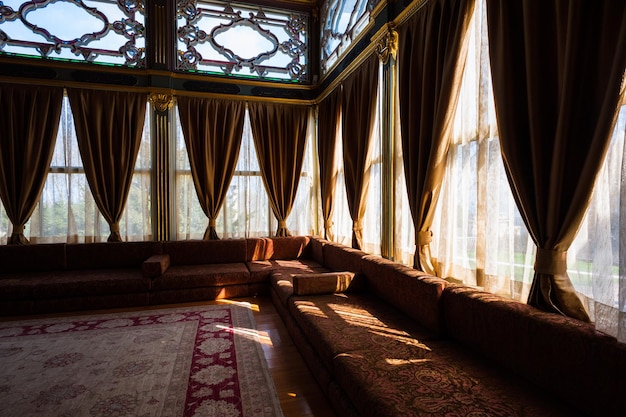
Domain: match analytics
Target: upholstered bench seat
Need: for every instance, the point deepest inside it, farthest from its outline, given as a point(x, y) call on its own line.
point(392, 378)
point(340, 323)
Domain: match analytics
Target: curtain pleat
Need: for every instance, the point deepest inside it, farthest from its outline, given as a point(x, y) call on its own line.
point(212, 130)
point(557, 69)
point(358, 118)
point(279, 132)
point(431, 57)
point(108, 125)
point(29, 122)
point(328, 120)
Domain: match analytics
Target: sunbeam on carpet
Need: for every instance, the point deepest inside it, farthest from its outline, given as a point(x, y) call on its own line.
point(188, 362)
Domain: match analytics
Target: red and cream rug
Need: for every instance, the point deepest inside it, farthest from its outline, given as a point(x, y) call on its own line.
point(183, 362)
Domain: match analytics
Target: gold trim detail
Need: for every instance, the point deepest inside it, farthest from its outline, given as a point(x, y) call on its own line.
point(162, 102)
point(387, 46)
point(378, 8)
point(409, 11)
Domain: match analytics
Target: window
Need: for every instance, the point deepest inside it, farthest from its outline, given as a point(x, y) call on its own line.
point(596, 257)
point(372, 219)
point(479, 236)
point(66, 211)
point(246, 211)
point(97, 31)
point(245, 41)
point(341, 23)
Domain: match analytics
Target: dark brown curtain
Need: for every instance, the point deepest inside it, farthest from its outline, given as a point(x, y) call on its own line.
point(212, 130)
point(358, 111)
point(557, 66)
point(29, 121)
point(108, 125)
point(279, 132)
point(431, 58)
point(328, 120)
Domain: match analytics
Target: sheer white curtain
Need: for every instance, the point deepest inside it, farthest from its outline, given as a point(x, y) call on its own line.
point(479, 237)
point(342, 222)
point(372, 220)
point(306, 215)
point(597, 258)
point(66, 211)
point(246, 211)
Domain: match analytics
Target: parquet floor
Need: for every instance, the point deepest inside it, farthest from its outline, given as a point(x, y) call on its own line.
point(299, 393)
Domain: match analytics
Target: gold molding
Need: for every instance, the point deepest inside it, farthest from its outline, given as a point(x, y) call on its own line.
point(162, 102)
point(380, 6)
point(246, 98)
point(409, 11)
point(387, 44)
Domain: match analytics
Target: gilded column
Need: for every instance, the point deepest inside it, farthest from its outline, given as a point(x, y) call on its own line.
point(386, 48)
point(163, 220)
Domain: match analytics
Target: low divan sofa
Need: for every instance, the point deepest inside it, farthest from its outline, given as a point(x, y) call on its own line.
point(45, 278)
point(381, 338)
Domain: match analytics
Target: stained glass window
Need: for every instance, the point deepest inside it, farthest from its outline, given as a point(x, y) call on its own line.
point(99, 31)
point(240, 40)
point(341, 22)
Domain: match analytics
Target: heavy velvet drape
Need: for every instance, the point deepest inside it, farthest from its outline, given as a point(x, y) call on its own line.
point(108, 125)
point(29, 121)
point(430, 61)
point(557, 66)
point(358, 111)
point(212, 130)
point(328, 119)
point(279, 132)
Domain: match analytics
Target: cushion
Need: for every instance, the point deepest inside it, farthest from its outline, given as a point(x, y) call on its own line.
point(322, 283)
point(155, 265)
point(260, 271)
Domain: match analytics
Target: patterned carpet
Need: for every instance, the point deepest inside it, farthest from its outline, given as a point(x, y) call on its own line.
point(183, 362)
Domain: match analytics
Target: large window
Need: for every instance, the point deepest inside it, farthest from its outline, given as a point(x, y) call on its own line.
point(246, 211)
point(479, 236)
point(67, 212)
point(97, 31)
point(372, 219)
point(230, 38)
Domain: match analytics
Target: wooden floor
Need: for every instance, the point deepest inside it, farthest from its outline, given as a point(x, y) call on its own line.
point(299, 393)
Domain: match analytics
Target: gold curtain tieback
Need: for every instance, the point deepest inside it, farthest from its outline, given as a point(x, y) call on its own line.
point(213, 223)
point(115, 227)
point(282, 224)
point(550, 262)
point(357, 226)
point(424, 237)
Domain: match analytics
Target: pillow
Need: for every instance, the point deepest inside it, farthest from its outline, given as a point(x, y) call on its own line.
point(322, 283)
point(155, 265)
